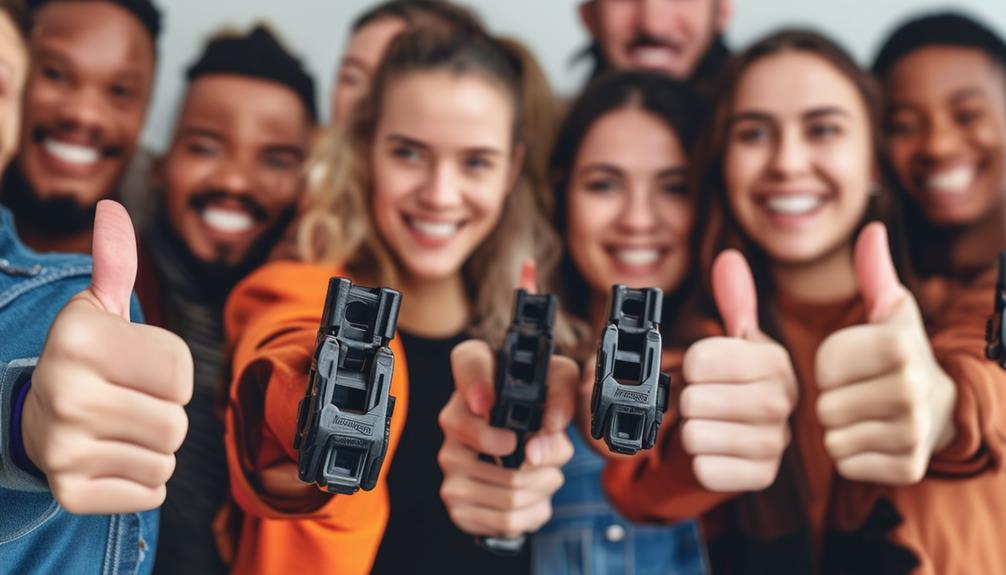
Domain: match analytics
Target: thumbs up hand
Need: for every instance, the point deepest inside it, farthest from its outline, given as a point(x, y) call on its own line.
point(740, 391)
point(885, 403)
point(105, 413)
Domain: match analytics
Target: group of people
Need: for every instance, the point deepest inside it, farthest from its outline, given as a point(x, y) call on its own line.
point(825, 238)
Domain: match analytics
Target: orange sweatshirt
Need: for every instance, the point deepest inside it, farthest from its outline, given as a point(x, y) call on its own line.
point(953, 521)
point(272, 320)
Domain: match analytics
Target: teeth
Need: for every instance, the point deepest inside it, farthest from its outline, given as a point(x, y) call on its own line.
point(653, 57)
point(953, 180)
point(228, 221)
point(434, 229)
point(794, 205)
point(637, 256)
point(72, 153)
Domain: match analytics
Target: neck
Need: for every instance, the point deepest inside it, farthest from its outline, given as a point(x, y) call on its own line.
point(974, 248)
point(44, 241)
point(828, 279)
point(434, 308)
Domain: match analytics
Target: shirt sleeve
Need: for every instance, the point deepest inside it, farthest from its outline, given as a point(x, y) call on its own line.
point(13, 377)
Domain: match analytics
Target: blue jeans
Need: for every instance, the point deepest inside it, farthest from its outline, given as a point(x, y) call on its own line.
point(586, 535)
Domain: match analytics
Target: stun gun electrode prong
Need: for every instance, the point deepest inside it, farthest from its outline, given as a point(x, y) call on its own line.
point(630, 394)
point(521, 386)
point(995, 348)
point(344, 420)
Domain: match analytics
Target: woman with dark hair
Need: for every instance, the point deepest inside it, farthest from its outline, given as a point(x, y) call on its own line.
point(625, 214)
point(823, 430)
point(944, 75)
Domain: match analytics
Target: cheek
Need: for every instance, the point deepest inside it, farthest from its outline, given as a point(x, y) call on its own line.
point(740, 173)
point(677, 214)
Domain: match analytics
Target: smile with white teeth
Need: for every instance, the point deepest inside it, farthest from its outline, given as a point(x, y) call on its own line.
point(72, 153)
point(228, 221)
point(434, 229)
point(637, 256)
point(953, 180)
point(794, 204)
point(653, 56)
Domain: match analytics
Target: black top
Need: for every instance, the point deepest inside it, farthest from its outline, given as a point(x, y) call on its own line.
point(420, 536)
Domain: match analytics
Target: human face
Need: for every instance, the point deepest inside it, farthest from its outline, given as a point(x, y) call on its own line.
point(233, 170)
point(356, 71)
point(799, 159)
point(628, 213)
point(669, 36)
point(947, 132)
point(443, 163)
point(87, 93)
point(13, 68)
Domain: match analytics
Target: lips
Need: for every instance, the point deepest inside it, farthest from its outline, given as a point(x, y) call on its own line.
point(794, 204)
point(74, 154)
point(227, 221)
point(636, 257)
point(951, 181)
point(653, 56)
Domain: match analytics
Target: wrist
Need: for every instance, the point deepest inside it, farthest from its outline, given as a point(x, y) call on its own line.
point(20, 441)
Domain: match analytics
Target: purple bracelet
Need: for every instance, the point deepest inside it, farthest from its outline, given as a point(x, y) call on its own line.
point(17, 453)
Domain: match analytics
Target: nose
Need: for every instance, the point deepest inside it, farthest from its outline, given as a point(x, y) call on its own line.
point(638, 213)
point(942, 140)
point(791, 157)
point(83, 110)
point(442, 188)
point(233, 177)
point(655, 18)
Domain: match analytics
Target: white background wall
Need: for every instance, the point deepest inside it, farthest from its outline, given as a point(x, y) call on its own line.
point(317, 30)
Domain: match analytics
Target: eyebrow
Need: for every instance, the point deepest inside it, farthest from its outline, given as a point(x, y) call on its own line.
point(674, 171)
point(191, 131)
point(483, 150)
point(967, 93)
point(351, 61)
point(812, 114)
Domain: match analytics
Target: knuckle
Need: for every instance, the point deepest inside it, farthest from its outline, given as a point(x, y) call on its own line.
point(776, 406)
point(690, 437)
point(176, 427)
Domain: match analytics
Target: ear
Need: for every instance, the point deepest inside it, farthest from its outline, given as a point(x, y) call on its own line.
point(516, 167)
point(724, 14)
point(588, 16)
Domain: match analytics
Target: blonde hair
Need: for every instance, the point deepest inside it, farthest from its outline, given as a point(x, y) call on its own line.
point(338, 225)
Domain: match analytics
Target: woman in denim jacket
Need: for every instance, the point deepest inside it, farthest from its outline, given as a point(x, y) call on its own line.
point(623, 210)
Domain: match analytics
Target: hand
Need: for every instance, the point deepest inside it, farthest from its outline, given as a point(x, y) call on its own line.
point(486, 499)
point(105, 414)
point(885, 404)
point(739, 391)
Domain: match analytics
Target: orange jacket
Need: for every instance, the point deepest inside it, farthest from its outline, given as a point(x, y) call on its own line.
point(953, 520)
point(272, 319)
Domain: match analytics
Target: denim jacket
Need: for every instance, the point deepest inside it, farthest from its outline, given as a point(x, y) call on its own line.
point(587, 536)
point(36, 534)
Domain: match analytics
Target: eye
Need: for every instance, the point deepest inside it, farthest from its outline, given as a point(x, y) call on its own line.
point(406, 153)
point(349, 80)
point(822, 131)
point(122, 92)
point(601, 185)
point(674, 187)
point(53, 74)
point(477, 163)
point(968, 116)
point(753, 133)
point(201, 148)
point(281, 161)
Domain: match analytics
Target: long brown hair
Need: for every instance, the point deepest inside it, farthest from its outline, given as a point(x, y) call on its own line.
point(338, 226)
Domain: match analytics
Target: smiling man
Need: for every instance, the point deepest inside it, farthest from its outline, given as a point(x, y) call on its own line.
point(229, 185)
point(90, 82)
point(681, 38)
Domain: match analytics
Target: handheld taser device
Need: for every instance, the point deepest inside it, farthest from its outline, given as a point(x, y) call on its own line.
point(521, 388)
point(344, 420)
point(630, 394)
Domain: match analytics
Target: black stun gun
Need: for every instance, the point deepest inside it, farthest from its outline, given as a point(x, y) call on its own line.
point(995, 336)
point(344, 420)
point(630, 394)
point(521, 376)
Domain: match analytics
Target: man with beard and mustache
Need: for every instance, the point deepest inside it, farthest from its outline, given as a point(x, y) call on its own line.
point(681, 39)
point(89, 85)
point(229, 186)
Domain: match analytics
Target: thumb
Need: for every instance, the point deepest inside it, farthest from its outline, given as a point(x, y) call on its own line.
point(113, 250)
point(876, 275)
point(473, 366)
point(529, 276)
point(735, 294)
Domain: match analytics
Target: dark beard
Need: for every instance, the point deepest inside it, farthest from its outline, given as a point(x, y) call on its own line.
point(55, 216)
point(215, 279)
